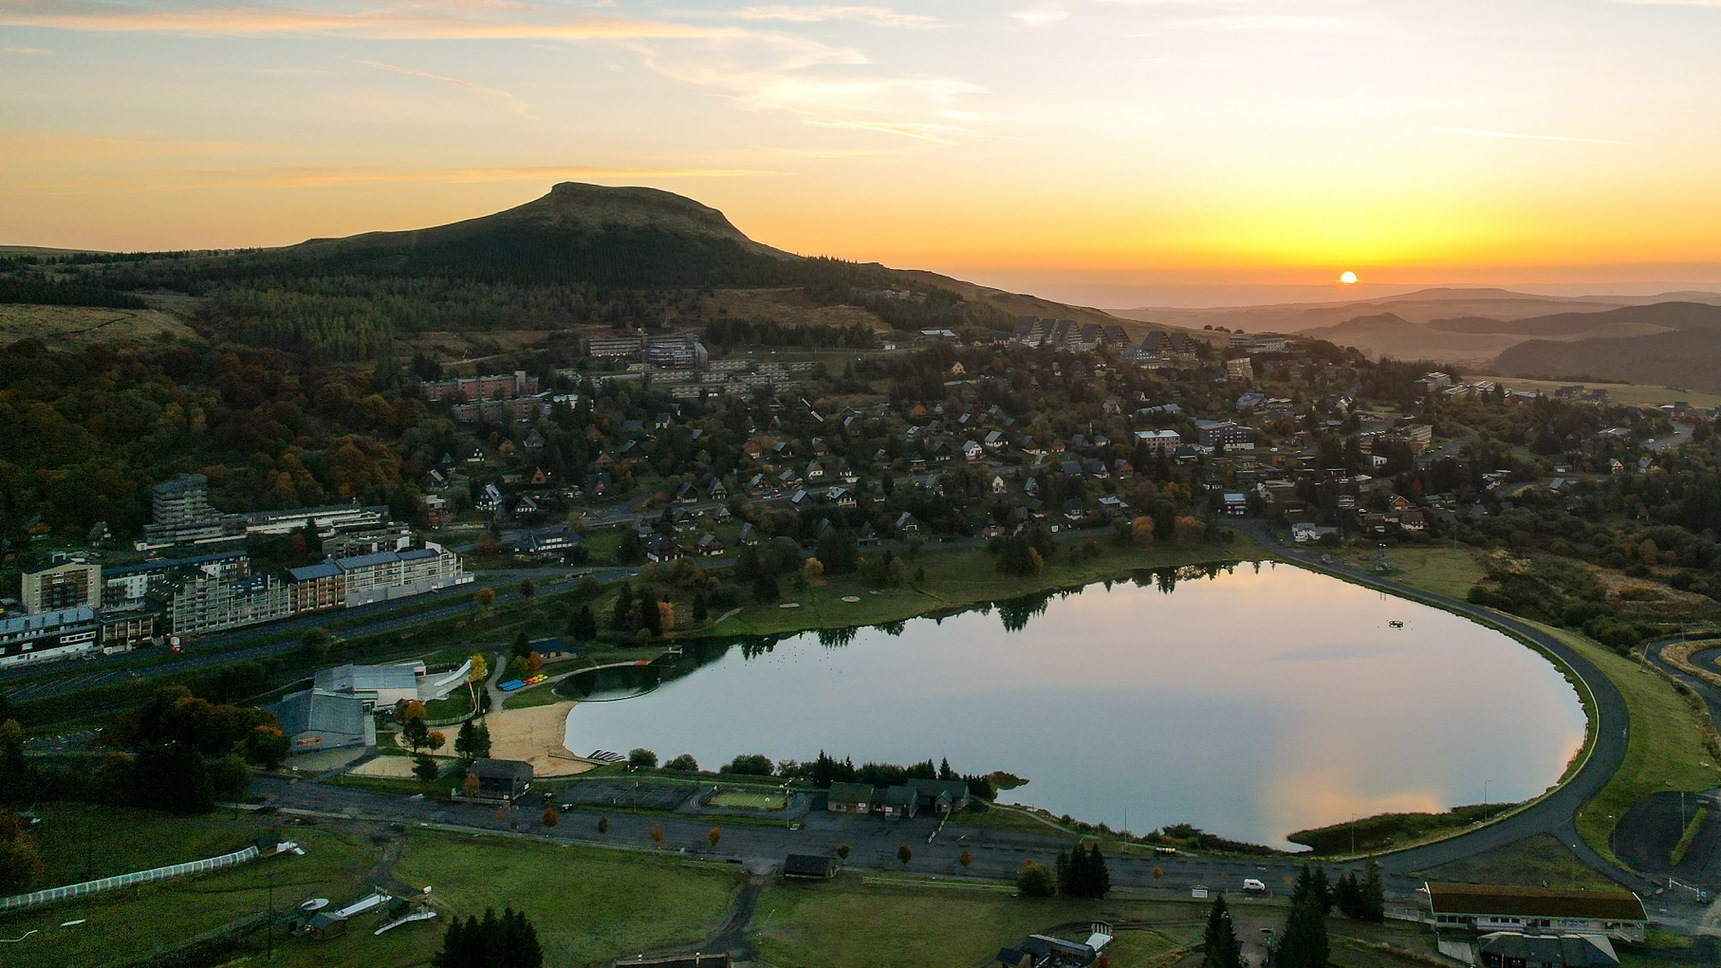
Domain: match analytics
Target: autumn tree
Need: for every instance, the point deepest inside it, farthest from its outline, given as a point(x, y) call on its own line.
point(965, 859)
point(603, 825)
point(843, 851)
point(480, 669)
point(656, 834)
point(20, 860)
point(470, 786)
point(550, 817)
point(905, 853)
point(528, 588)
point(713, 836)
point(484, 598)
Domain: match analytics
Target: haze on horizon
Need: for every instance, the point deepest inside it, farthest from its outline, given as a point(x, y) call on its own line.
point(1110, 152)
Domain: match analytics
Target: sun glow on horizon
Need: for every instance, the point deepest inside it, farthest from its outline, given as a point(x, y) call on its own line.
point(1347, 278)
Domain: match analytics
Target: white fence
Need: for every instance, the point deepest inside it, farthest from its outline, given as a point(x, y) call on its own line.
point(170, 872)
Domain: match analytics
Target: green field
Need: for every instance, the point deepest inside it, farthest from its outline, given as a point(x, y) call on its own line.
point(1668, 748)
point(883, 922)
point(588, 905)
point(1531, 862)
point(747, 800)
point(63, 327)
point(150, 918)
point(1443, 570)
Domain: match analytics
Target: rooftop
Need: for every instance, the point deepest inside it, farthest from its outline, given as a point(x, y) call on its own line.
point(1534, 902)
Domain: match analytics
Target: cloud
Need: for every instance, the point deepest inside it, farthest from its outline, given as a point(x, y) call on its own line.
point(509, 102)
point(202, 179)
point(370, 19)
point(1516, 136)
point(1281, 23)
point(22, 50)
point(761, 69)
point(872, 16)
point(1040, 16)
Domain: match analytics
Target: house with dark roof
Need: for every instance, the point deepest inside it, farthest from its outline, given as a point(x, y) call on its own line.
point(1510, 949)
point(897, 802)
point(1488, 908)
point(849, 798)
point(501, 780)
point(810, 866)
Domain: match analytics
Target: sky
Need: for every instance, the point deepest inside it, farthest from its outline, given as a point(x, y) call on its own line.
point(1109, 152)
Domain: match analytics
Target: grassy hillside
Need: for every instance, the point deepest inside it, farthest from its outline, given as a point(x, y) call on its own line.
point(1689, 356)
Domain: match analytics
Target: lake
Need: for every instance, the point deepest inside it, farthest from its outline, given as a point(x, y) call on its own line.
point(1251, 702)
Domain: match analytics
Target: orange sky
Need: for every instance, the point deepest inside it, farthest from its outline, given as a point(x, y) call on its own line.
point(1099, 150)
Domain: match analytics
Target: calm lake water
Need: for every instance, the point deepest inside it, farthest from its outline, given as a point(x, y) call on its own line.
point(1252, 703)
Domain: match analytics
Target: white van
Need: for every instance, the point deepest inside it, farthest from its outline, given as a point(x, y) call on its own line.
point(1253, 886)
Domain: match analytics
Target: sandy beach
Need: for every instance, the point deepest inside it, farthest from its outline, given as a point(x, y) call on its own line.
point(535, 736)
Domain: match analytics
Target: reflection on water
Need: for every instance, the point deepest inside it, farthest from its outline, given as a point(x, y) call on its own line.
point(1250, 702)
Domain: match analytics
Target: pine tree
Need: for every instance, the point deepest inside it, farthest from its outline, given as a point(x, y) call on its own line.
point(1304, 942)
point(1373, 893)
point(622, 614)
point(1099, 875)
point(1321, 891)
point(1219, 944)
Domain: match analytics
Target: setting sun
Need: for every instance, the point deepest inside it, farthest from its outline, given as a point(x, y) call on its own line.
point(1347, 278)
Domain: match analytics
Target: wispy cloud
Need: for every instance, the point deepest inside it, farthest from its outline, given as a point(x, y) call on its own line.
point(1672, 3)
point(872, 16)
point(508, 101)
point(1279, 23)
point(1040, 16)
point(202, 179)
point(1520, 136)
point(28, 51)
point(434, 19)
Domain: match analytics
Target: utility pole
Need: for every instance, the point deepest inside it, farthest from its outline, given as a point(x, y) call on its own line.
point(269, 925)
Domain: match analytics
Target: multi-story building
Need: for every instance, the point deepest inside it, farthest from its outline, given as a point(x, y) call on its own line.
point(1232, 436)
point(201, 604)
point(129, 586)
point(398, 574)
point(1160, 441)
point(317, 588)
point(180, 514)
point(516, 384)
point(46, 636)
point(324, 520)
point(66, 585)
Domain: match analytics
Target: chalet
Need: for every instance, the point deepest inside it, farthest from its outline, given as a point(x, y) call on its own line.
point(686, 493)
point(533, 440)
point(841, 496)
point(868, 536)
point(749, 534)
point(994, 440)
point(709, 545)
point(999, 485)
point(897, 803)
point(1113, 506)
point(504, 780)
point(716, 491)
point(907, 525)
point(662, 549)
point(941, 797)
point(488, 499)
point(816, 470)
point(849, 798)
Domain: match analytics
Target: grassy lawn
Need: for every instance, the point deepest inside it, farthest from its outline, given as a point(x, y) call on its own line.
point(134, 922)
point(117, 840)
point(956, 578)
point(1531, 862)
point(1443, 570)
point(847, 924)
point(742, 800)
point(1668, 748)
point(588, 905)
point(450, 707)
point(542, 694)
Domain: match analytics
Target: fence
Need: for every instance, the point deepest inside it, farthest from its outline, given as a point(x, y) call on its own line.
point(187, 869)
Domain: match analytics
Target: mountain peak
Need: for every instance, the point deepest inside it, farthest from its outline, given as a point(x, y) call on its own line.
point(579, 205)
